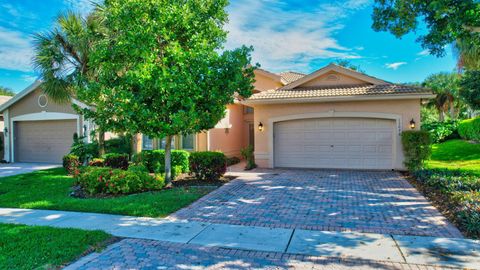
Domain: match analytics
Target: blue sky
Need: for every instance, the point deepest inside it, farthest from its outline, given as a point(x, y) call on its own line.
point(298, 35)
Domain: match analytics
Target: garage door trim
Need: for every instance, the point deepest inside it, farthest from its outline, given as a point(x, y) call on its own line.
point(41, 116)
point(331, 114)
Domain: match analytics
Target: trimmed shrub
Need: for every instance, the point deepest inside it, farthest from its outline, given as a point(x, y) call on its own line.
point(248, 155)
point(470, 129)
point(116, 161)
point(71, 163)
point(416, 146)
point(154, 160)
point(120, 145)
point(97, 162)
point(442, 131)
point(96, 180)
point(232, 161)
point(208, 165)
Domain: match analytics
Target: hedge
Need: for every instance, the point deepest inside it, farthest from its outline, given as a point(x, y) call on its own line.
point(442, 131)
point(116, 161)
point(71, 163)
point(209, 166)
point(154, 160)
point(416, 146)
point(470, 129)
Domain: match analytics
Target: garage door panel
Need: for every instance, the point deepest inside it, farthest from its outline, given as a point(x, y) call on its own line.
point(353, 143)
point(43, 141)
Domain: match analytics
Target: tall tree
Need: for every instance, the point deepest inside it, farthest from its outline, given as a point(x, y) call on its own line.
point(4, 91)
point(470, 88)
point(162, 71)
point(468, 53)
point(446, 20)
point(446, 87)
point(62, 56)
point(348, 64)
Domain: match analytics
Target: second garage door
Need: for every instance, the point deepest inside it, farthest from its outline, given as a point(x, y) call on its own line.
point(43, 141)
point(346, 143)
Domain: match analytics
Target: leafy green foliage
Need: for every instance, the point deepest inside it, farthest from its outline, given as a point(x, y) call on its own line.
point(470, 129)
point(95, 180)
point(154, 160)
point(461, 189)
point(116, 161)
point(446, 20)
point(470, 88)
point(248, 155)
point(120, 145)
point(96, 162)
point(38, 247)
point(456, 154)
point(232, 161)
point(446, 87)
point(49, 189)
point(71, 163)
point(162, 68)
point(441, 131)
point(348, 64)
point(4, 91)
point(84, 151)
point(208, 166)
point(416, 147)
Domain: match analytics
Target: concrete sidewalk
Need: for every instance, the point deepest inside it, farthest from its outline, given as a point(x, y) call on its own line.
point(10, 169)
point(450, 252)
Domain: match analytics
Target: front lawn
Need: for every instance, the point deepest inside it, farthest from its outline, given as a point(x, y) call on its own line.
point(49, 189)
point(456, 154)
point(34, 247)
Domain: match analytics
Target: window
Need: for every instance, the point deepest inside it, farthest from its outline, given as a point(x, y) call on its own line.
point(188, 141)
point(247, 110)
point(163, 143)
point(147, 143)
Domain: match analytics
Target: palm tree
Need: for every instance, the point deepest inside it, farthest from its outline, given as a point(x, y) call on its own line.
point(446, 88)
point(468, 53)
point(62, 56)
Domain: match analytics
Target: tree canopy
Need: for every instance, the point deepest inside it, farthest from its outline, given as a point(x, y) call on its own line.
point(4, 91)
point(163, 71)
point(446, 20)
point(470, 88)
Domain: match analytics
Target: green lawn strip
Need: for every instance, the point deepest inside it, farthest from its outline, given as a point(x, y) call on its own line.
point(49, 189)
point(456, 154)
point(38, 247)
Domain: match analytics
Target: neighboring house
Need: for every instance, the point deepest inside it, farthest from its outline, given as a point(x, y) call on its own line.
point(3, 99)
point(332, 118)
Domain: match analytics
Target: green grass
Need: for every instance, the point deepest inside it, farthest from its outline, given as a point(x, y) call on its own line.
point(456, 154)
point(49, 189)
point(34, 247)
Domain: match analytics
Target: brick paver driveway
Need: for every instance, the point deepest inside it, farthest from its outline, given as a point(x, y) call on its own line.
point(365, 201)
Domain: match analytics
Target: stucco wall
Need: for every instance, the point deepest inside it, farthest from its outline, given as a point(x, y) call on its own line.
point(333, 78)
point(29, 104)
point(229, 141)
point(263, 82)
point(406, 109)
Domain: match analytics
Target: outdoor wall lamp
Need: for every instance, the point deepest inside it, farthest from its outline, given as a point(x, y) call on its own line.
point(260, 127)
point(412, 124)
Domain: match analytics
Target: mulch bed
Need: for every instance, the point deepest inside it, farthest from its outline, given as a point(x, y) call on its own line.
point(190, 181)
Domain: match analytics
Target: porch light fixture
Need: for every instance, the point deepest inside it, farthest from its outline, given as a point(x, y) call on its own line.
point(260, 127)
point(412, 124)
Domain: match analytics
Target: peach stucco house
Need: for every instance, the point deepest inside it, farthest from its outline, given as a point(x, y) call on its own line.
point(332, 118)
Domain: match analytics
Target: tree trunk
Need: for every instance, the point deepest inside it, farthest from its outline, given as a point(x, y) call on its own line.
point(441, 116)
point(452, 111)
point(101, 142)
point(168, 161)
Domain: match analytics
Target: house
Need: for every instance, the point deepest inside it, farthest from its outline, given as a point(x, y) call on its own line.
point(3, 99)
point(332, 118)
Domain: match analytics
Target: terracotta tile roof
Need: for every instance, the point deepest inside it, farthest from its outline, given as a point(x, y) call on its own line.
point(291, 76)
point(339, 91)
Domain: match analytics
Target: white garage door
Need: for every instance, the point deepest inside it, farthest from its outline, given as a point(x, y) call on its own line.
point(346, 143)
point(43, 141)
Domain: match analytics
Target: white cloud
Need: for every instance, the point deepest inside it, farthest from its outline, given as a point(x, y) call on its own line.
point(29, 78)
point(424, 53)
point(16, 51)
point(395, 65)
point(286, 38)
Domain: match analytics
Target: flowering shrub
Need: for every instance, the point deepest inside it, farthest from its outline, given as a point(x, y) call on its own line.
point(98, 180)
point(460, 191)
point(71, 163)
point(97, 162)
point(208, 165)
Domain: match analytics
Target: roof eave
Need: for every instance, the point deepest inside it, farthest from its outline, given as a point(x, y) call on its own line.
point(336, 98)
point(20, 95)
